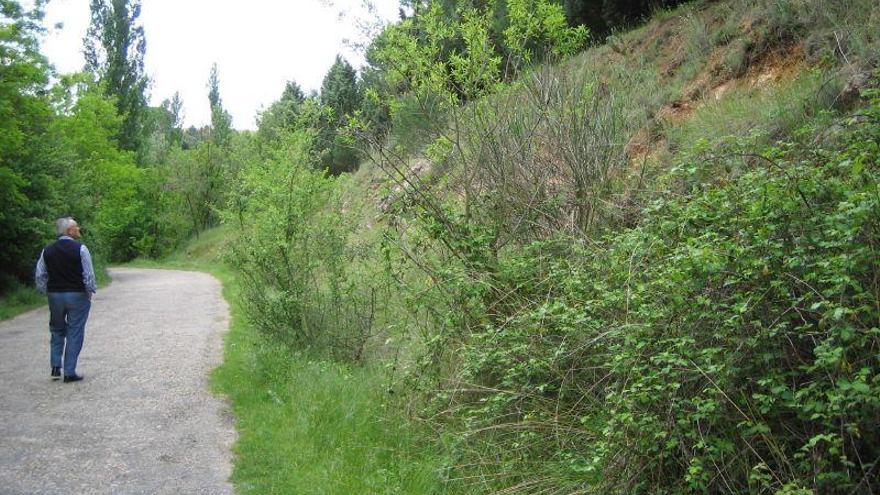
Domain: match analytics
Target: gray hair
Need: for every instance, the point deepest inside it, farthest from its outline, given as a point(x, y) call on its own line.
point(62, 224)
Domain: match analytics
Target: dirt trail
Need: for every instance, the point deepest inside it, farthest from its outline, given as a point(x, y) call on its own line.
point(143, 420)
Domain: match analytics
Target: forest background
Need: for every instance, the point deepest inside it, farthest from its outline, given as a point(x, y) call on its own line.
point(574, 259)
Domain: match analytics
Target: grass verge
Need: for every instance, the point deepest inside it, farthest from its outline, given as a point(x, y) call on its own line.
point(306, 426)
point(23, 298)
point(19, 300)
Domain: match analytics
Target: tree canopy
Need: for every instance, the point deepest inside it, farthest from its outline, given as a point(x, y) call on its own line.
point(114, 49)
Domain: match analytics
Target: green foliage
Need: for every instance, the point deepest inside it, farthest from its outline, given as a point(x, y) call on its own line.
point(17, 299)
point(453, 52)
point(413, 55)
point(284, 115)
point(477, 67)
point(339, 91)
point(162, 131)
point(221, 121)
point(197, 177)
point(340, 101)
point(59, 156)
point(69, 149)
point(114, 49)
point(27, 191)
point(292, 253)
point(540, 26)
point(725, 344)
point(101, 188)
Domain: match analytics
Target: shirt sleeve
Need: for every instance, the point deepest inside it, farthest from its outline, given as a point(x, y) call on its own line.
point(41, 276)
point(88, 270)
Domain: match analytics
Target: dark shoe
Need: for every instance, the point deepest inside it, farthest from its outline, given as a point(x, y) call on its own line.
point(56, 373)
point(72, 378)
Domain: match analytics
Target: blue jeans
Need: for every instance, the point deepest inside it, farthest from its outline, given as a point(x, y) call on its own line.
point(68, 312)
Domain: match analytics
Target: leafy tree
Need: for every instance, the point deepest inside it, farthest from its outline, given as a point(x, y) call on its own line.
point(196, 177)
point(340, 98)
point(538, 27)
point(339, 90)
point(198, 173)
point(162, 131)
point(174, 110)
point(282, 115)
point(26, 188)
point(102, 184)
point(374, 107)
point(221, 121)
point(293, 93)
point(192, 136)
point(114, 50)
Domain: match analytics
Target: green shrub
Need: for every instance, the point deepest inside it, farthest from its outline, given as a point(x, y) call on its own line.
point(292, 255)
point(725, 345)
point(16, 298)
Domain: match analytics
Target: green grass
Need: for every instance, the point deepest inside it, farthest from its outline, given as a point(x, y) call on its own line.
point(23, 298)
point(766, 113)
point(306, 426)
point(316, 427)
point(20, 300)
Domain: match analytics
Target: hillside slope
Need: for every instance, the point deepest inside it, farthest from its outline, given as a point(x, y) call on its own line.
point(649, 268)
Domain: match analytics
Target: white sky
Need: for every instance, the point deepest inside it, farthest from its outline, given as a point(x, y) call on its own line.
point(258, 45)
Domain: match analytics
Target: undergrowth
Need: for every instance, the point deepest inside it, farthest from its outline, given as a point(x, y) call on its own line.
point(652, 267)
point(726, 344)
point(568, 312)
point(19, 299)
point(305, 424)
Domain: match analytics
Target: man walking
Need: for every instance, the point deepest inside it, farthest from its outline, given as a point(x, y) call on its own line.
point(66, 274)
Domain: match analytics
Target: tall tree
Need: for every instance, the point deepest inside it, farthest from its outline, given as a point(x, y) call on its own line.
point(221, 121)
point(174, 109)
point(162, 131)
point(282, 115)
point(26, 182)
point(293, 93)
point(340, 98)
point(340, 91)
point(114, 50)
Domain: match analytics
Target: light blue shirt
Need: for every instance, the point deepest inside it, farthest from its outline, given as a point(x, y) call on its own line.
point(42, 275)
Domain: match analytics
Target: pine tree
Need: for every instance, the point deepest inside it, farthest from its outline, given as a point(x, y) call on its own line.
point(114, 50)
point(293, 93)
point(340, 98)
point(283, 115)
point(340, 91)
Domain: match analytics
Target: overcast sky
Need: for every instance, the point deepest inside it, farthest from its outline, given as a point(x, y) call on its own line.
point(258, 45)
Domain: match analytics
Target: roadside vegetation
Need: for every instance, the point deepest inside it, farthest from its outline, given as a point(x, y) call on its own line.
point(19, 299)
point(523, 253)
point(305, 424)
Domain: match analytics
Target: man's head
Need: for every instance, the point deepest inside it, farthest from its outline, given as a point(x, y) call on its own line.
point(67, 226)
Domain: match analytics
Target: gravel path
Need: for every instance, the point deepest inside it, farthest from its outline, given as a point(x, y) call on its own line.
point(143, 420)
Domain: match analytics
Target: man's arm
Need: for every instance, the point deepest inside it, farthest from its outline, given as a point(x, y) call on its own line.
point(88, 270)
point(41, 276)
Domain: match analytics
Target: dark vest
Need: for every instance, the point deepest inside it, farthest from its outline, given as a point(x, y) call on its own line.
point(64, 264)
